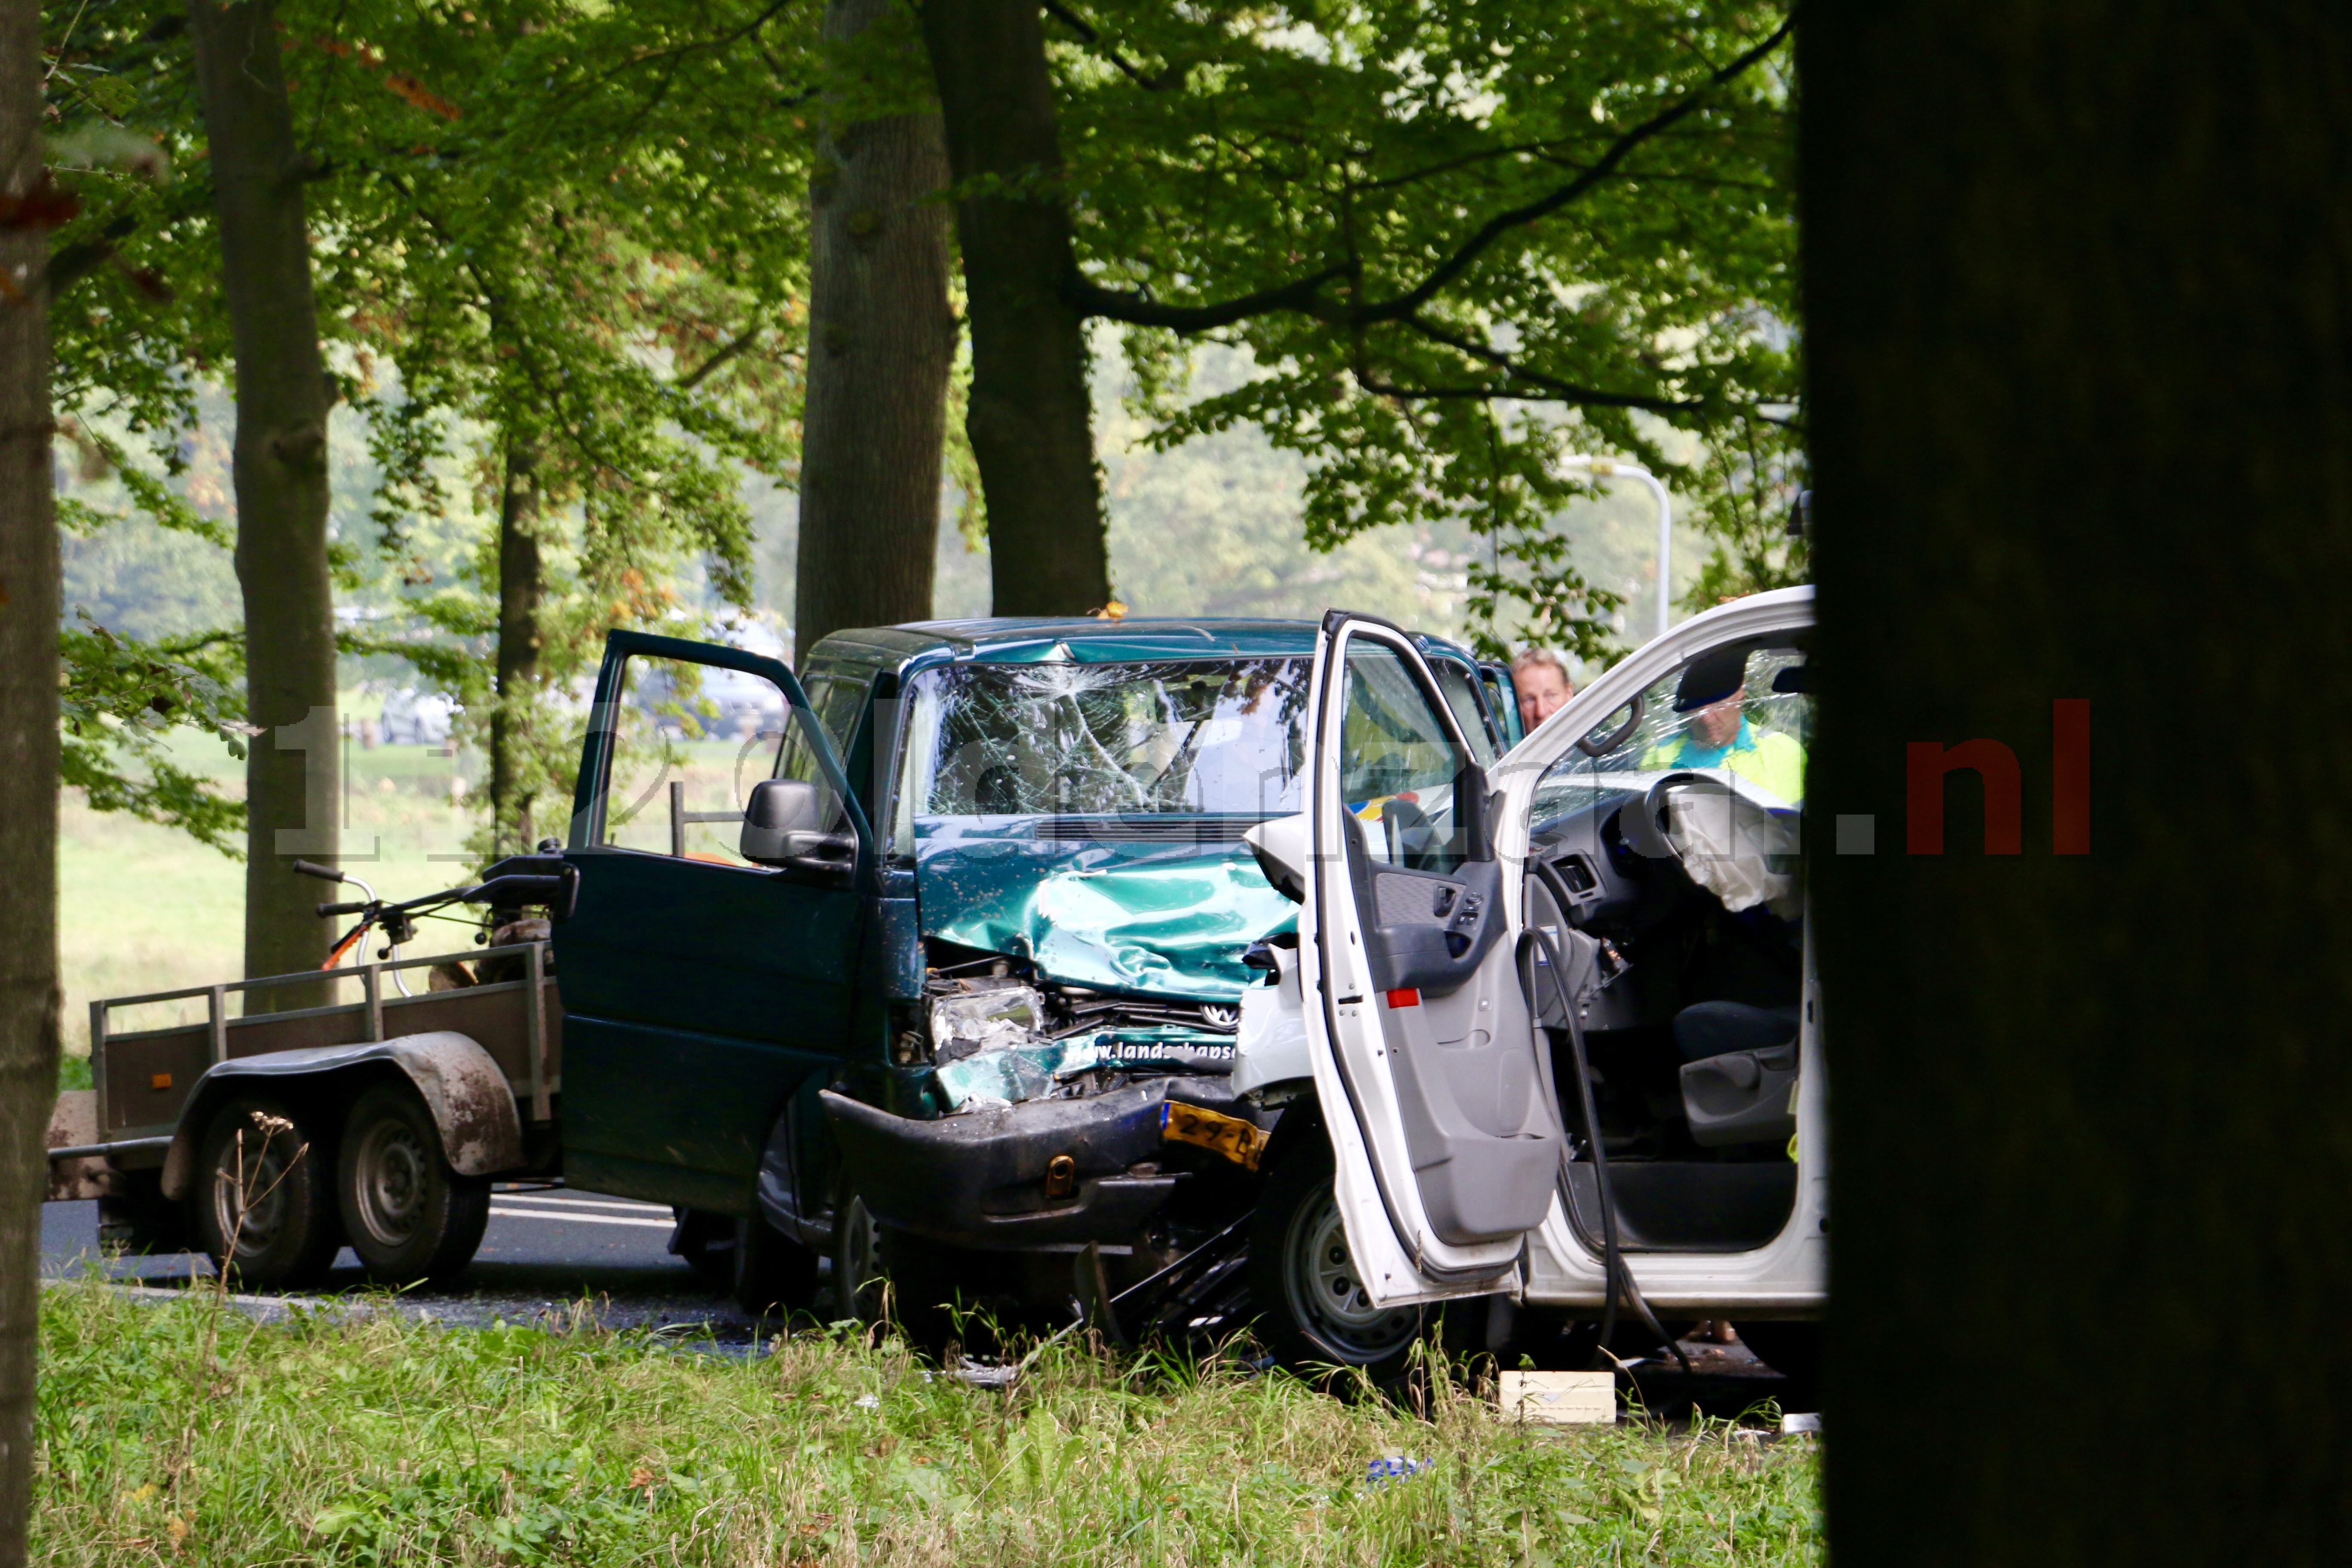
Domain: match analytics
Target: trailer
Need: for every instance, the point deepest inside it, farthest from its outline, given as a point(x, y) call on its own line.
point(271, 1140)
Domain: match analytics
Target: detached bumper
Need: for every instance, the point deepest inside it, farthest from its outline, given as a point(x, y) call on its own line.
point(979, 1179)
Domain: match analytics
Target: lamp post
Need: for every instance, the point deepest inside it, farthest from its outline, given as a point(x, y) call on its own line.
point(1613, 467)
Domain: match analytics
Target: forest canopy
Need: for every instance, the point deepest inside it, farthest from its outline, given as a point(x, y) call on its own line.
point(1408, 255)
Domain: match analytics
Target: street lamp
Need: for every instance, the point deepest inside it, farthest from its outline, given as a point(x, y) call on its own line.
point(1613, 467)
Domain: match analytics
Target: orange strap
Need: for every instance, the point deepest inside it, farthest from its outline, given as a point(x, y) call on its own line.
point(344, 946)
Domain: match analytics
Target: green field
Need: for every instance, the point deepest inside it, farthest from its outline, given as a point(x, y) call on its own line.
point(184, 1433)
point(142, 908)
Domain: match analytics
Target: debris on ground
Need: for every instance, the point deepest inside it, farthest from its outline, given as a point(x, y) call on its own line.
point(1394, 1467)
point(1559, 1398)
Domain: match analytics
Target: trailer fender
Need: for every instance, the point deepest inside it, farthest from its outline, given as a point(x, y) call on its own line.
point(471, 1103)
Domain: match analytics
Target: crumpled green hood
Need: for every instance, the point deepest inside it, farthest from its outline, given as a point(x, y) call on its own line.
point(1152, 919)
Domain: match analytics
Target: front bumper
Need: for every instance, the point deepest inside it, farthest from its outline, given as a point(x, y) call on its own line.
point(979, 1179)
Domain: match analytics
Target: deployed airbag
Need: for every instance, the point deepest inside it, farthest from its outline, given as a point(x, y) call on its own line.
point(1736, 848)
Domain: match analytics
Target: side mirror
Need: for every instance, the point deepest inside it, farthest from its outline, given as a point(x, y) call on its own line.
point(784, 825)
point(1281, 847)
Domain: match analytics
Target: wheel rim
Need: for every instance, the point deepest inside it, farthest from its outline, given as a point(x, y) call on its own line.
point(860, 1261)
point(1326, 1295)
point(250, 1198)
point(391, 1182)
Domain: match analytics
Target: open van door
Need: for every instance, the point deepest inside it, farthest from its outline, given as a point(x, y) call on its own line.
point(711, 963)
point(1445, 1129)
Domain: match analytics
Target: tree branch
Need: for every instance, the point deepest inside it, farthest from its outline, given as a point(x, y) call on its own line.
point(73, 262)
point(678, 51)
point(1483, 155)
point(1555, 388)
point(1087, 33)
point(1134, 309)
point(751, 335)
point(1304, 295)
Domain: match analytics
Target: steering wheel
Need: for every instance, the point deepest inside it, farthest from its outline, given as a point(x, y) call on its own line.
point(1643, 824)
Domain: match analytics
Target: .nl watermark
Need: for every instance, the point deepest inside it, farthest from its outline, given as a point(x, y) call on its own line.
point(1928, 763)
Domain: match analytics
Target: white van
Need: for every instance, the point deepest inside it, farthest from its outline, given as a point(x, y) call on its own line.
point(1564, 1050)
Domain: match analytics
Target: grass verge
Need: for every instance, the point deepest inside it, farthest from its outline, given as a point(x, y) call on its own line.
point(186, 1433)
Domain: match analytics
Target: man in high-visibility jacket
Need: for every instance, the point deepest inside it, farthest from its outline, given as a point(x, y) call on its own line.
point(1720, 736)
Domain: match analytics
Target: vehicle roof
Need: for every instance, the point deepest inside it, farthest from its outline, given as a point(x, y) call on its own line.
point(1017, 639)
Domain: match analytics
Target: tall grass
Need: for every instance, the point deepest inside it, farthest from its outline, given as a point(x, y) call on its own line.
point(189, 1435)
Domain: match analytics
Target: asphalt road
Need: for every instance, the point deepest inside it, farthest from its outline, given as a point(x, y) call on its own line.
point(546, 1250)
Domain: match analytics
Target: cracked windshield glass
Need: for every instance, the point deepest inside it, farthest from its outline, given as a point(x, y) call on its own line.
point(1081, 743)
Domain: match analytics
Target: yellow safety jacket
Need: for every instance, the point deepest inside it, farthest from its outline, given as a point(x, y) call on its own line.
point(1765, 758)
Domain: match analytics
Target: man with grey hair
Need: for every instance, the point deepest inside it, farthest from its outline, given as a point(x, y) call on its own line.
point(1541, 680)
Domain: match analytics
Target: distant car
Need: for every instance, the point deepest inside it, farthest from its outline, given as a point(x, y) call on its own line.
point(413, 718)
point(713, 705)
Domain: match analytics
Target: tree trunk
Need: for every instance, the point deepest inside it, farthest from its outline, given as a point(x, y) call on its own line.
point(2078, 282)
point(280, 467)
point(1030, 420)
point(28, 767)
point(881, 338)
point(520, 585)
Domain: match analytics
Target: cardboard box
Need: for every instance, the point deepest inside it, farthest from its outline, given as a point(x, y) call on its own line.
point(1561, 1398)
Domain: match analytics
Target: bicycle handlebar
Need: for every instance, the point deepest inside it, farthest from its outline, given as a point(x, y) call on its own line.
point(521, 888)
point(511, 888)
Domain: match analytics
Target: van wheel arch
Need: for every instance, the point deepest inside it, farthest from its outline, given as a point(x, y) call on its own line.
point(1298, 1121)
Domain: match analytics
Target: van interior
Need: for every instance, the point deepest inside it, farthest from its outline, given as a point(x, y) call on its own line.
point(1670, 834)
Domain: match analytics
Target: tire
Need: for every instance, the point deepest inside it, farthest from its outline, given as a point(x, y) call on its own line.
point(262, 1204)
point(1312, 1312)
point(409, 1216)
point(1794, 1350)
point(858, 1273)
point(774, 1275)
point(880, 1274)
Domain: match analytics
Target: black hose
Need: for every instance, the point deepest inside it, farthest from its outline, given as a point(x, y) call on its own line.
point(1620, 1278)
point(1612, 1263)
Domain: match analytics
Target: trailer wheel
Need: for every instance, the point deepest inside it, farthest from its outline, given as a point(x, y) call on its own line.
point(409, 1215)
point(1311, 1305)
point(261, 1201)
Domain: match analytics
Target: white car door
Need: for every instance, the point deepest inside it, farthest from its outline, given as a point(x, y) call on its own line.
point(1444, 1125)
point(1779, 1268)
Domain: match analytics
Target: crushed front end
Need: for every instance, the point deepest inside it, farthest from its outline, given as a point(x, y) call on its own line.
point(1085, 901)
point(1067, 1116)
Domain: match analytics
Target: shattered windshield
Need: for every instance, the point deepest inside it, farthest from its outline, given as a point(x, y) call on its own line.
point(1218, 737)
